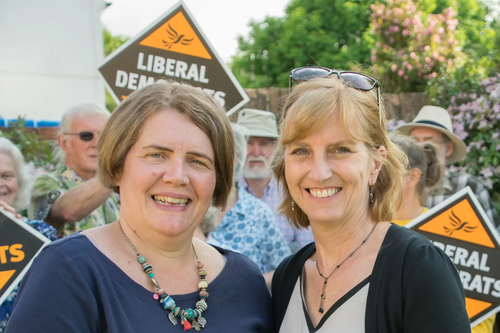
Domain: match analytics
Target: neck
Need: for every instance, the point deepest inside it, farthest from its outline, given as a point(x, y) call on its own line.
point(410, 207)
point(85, 175)
point(335, 241)
point(258, 185)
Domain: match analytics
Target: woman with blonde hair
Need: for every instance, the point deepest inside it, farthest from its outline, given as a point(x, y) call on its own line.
point(343, 176)
point(168, 151)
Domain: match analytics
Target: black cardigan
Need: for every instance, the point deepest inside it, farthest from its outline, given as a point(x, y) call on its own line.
point(414, 287)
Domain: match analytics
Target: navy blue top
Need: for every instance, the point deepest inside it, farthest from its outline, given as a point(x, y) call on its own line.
point(73, 287)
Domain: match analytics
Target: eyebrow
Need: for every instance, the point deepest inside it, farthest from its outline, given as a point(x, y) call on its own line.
point(195, 153)
point(337, 143)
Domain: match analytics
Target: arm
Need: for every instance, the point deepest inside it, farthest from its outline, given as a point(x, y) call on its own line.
point(433, 297)
point(77, 203)
point(55, 297)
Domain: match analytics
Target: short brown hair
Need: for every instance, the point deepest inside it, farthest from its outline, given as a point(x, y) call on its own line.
point(306, 110)
point(125, 125)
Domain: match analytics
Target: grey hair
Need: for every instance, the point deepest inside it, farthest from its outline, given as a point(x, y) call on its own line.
point(81, 110)
point(24, 172)
point(240, 143)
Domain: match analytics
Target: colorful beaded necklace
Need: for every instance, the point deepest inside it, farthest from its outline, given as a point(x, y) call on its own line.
point(189, 317)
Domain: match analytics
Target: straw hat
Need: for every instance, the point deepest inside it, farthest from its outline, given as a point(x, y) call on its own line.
point(258, 123)
point(439, 119)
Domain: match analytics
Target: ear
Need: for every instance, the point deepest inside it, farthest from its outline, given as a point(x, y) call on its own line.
point(63, 142)
point(449, 148)
point(413, 177)
point(378, 162)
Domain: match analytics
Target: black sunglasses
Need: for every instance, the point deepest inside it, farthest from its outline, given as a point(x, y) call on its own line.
point(84, 136)
point(353, 79)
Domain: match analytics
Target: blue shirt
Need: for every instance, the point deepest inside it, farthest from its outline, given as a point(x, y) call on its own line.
point(74, 287)
point(250, 229)
point(6, 307)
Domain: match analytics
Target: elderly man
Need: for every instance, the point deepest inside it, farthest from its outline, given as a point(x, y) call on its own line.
point(257, 176)
point(71, 198)
point(433, 124)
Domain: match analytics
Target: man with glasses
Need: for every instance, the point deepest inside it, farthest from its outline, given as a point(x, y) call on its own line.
point(433, 124)
point(71, 198)
point(258, 179)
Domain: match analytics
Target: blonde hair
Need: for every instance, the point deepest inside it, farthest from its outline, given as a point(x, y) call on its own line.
point(125, 124)
point(306, 110)
point(424, 157)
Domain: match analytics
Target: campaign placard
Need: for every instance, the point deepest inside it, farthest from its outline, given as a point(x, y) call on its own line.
point(461, 228)
point(19, 244)
point(172, 48)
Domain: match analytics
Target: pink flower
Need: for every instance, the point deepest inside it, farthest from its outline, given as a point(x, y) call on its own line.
point(391, 40)
point(377, 44)
point(406, 77)
point(401, 72)
point(437, 39)
point(410, 67)
point(406, 32)
point(394, 67)
point(374, 58)
point(413, 55)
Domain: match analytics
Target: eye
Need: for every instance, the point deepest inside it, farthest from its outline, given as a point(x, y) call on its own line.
point(299, 151)
point(341, 150)
point(156, 155)
point(199, 162)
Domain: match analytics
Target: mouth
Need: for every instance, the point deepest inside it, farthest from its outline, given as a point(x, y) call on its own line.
point(170, 201)
point(324, 192)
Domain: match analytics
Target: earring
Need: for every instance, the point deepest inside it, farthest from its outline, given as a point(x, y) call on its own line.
point(371, 193)
point(293, 205)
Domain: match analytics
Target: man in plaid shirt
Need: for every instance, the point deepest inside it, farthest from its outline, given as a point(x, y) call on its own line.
point(258, 178)
point(434, 124)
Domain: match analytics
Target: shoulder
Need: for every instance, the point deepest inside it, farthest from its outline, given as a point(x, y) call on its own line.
point(72, 247)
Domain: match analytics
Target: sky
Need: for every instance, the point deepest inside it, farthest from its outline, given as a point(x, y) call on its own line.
point(222, 21)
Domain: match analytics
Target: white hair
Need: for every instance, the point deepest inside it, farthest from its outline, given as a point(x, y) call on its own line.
point(240, 142)
point(24, 172)
point(81, 110)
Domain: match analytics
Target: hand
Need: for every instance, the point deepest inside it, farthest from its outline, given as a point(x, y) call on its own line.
point(9, 209)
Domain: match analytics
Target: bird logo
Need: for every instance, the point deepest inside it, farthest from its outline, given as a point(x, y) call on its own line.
point(457, 225)
point(175, 38)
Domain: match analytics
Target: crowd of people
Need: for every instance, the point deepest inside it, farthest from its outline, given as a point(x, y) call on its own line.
point(165, 214)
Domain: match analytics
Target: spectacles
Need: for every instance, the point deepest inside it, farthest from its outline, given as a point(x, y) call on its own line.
point(353, 79)
point(84, 136)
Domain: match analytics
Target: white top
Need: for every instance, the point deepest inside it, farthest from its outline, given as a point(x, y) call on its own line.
point(346, 315)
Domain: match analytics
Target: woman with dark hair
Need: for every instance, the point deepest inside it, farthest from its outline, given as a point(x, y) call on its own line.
point(168, 151)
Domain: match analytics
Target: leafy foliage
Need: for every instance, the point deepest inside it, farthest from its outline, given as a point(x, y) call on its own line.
point(34, 150)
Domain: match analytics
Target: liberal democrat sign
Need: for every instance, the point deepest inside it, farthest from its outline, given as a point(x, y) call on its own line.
point(460, 227)
point(19, 244)
point(172, 48)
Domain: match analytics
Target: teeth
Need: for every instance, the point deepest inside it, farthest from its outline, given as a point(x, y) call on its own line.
point(165, 200)
point(324, 193)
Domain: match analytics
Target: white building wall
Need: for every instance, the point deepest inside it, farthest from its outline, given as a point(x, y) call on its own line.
point(49, 54)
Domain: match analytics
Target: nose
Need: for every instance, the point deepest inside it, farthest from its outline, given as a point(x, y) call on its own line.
point(254, 149)
point(320, 169)
point(175, 173)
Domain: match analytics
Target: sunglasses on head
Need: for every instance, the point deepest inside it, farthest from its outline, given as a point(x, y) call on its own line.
point(352, 79)
point(84, 136)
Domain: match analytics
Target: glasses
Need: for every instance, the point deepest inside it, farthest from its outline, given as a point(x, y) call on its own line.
point(84, 136)
point(353, 79)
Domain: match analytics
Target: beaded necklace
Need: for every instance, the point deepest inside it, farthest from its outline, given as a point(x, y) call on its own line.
point(190, 318)
point(321, 310)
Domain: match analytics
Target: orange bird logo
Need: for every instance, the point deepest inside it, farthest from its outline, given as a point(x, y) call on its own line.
point(458, 225)
point(175, 38)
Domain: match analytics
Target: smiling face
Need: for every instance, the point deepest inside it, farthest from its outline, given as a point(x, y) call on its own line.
point(328, 174)
point(8, 179)
point(81, 156)
point(168, 177)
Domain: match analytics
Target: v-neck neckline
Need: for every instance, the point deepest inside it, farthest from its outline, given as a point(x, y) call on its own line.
point(335, 306)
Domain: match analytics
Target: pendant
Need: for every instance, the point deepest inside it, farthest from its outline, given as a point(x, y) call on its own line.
point(196, 326)
point(202, 321)
point(173, 319)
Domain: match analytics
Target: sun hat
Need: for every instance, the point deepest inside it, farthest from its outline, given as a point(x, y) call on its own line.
point(439, 119)
point(258, 123)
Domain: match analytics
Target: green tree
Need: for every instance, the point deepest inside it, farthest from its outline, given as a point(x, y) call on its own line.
point(111, 43)
point(313, 32)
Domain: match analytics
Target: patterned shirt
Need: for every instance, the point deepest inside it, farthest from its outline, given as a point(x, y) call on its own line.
point(249, 228)
point(6, 307)
point(50, 186)
point(454, 182)
point(272, 197)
